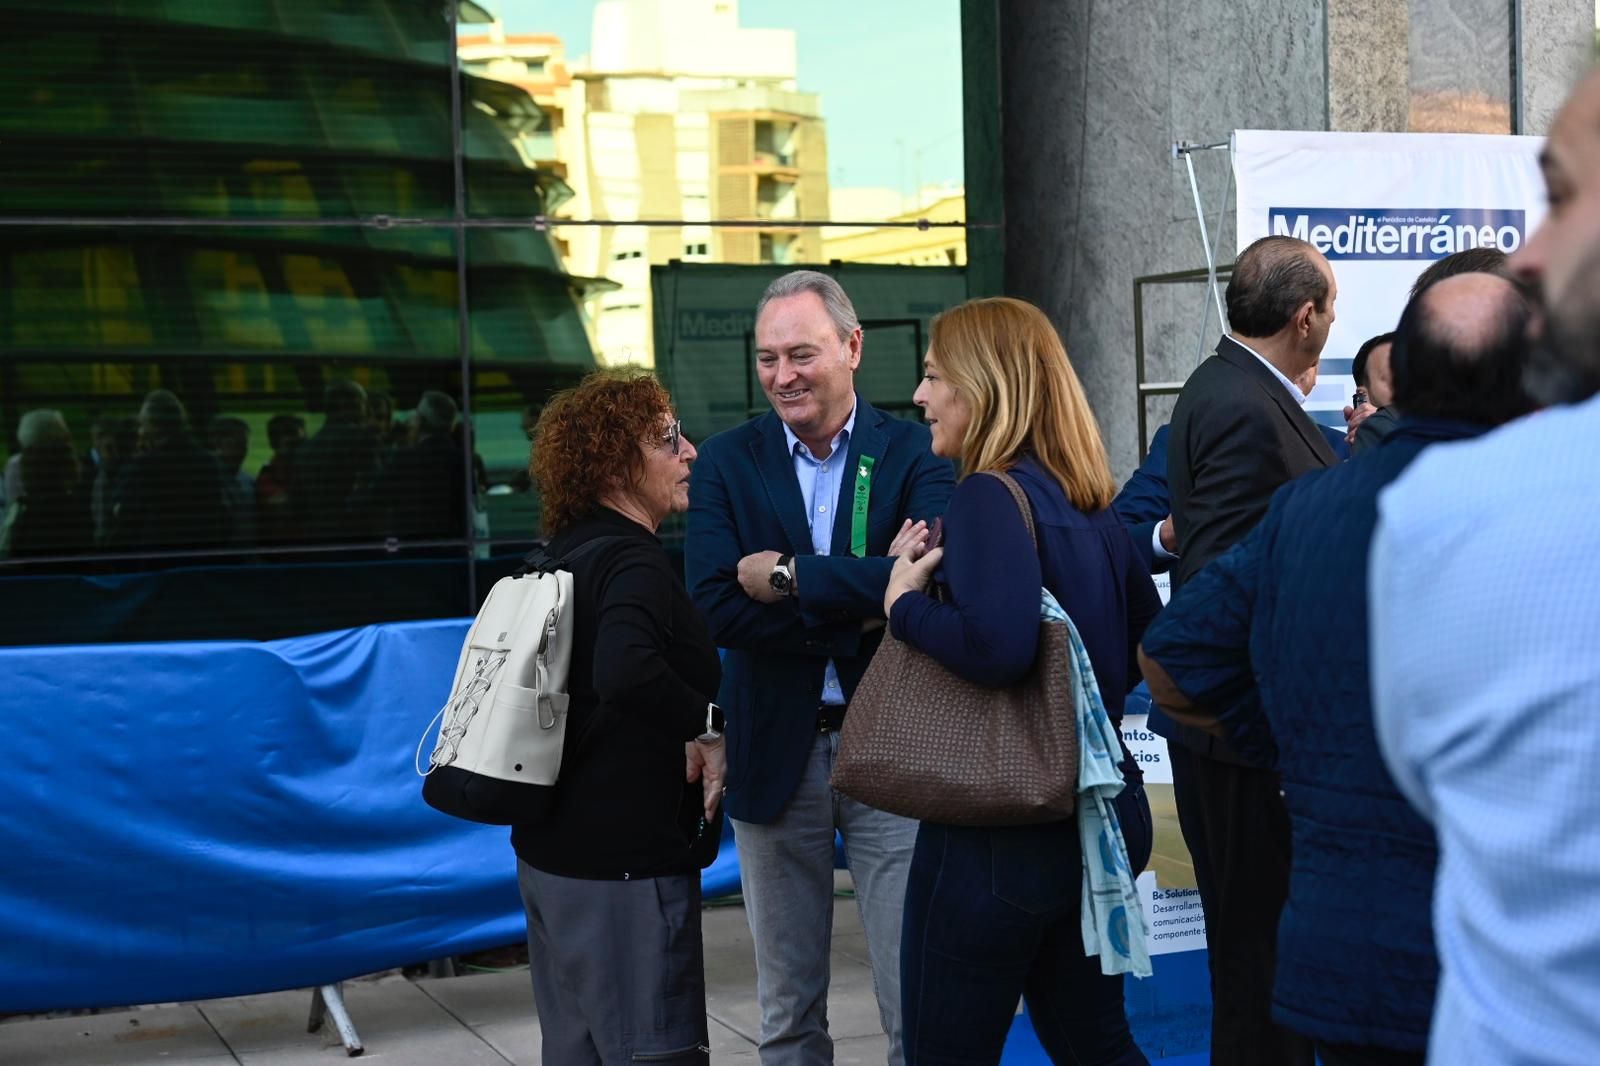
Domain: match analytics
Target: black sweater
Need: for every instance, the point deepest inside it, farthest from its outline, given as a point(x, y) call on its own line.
point(643, 670)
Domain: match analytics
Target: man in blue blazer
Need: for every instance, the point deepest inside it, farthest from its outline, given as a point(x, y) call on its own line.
point(794, 519)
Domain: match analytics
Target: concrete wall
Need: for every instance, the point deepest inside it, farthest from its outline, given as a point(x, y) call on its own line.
point(1093, 93)
point(1557, 47)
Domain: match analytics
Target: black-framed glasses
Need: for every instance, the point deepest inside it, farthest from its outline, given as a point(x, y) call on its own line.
point(673, 438)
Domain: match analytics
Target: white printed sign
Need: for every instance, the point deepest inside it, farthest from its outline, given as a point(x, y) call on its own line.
point(1167, 887)
point(1382, 207)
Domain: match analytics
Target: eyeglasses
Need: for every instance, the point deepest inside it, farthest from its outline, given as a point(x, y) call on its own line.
point(673, 438)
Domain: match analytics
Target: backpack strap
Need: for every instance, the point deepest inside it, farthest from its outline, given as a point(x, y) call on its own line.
point(540, 561)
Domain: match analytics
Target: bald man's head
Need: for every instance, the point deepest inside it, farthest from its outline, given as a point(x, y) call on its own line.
point(1461, 349)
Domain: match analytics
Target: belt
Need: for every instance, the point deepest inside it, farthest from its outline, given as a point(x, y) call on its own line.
point(830, 717)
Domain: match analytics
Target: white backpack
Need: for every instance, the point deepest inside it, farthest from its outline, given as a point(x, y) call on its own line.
point(498, 753)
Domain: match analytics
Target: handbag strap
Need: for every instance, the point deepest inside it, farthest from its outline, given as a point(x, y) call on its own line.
point(1023, 504)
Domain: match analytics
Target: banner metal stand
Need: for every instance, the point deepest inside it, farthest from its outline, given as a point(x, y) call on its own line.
point(1185, 150)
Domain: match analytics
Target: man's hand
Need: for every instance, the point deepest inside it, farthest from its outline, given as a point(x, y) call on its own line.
point(910, 576)
point(707, 764)
point(1169, 535)
point(755, 574)
point(912, 540)
point(1353, 417)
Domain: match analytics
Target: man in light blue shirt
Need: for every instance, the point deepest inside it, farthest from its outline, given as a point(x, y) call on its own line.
point(819, 481)
point(1485, 616)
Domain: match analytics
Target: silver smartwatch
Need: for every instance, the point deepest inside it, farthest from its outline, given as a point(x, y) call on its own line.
point(715, 723)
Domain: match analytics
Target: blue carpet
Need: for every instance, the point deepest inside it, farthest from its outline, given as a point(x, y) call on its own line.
point(1169, 1013)
point(1022, 1048)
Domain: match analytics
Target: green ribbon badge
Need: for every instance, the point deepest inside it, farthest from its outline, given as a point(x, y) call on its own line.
point(858, 513)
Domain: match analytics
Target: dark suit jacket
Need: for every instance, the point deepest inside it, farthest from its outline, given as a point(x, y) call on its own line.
point(170, 497)
point(1145, 500)
point(743, 498)
point(1378, 425)
point(1237, 435)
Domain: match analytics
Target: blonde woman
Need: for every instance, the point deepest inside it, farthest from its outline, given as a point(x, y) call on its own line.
point(992, 913)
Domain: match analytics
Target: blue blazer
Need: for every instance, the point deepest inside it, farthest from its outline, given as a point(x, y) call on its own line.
point(1145, 502)
point(743, 498)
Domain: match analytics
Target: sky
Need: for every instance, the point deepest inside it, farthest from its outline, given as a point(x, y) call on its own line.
point(889, 72)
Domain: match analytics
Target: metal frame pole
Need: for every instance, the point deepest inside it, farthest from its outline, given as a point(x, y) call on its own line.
point(1208, 241)
point(327, 1001)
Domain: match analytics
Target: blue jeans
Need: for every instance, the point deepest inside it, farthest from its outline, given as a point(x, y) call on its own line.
point(992, 915)
point(787, 869)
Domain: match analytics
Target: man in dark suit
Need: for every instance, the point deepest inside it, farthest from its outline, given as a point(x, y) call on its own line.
point(335, 467)
point(1238, 433)
point(793, 519)
point(173, 494)
point(1145, 502)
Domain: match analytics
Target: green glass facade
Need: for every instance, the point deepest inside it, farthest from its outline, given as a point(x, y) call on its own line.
point(220, 220)
point(242, 204)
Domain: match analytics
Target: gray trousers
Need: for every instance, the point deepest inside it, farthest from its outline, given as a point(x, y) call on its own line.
point(618, 969)
point(787, 870)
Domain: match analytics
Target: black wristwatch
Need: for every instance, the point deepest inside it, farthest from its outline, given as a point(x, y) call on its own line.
point(715, 724)
point(782, 577)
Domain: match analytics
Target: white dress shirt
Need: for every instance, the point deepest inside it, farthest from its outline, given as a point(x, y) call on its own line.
point(1294, 390)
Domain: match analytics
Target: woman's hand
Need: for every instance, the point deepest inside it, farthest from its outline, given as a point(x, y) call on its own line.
point(707, 764)
point(911, 541)
point(910, 575)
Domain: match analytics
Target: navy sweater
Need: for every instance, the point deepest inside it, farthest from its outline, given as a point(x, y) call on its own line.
point(1272, 637)
point(987, 629)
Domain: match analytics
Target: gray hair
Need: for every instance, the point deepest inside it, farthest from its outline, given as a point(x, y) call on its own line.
point(163, 413)
point(43, 426)
point(829, 291)
point(436, 412)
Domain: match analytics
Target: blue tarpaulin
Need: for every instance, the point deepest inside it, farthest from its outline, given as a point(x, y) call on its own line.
point(223, 818)
point(193, 820)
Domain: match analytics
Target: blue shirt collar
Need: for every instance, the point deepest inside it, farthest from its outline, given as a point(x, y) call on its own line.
point(841, 440)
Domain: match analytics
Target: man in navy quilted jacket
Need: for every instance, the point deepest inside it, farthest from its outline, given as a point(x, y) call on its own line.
point(1267, 646)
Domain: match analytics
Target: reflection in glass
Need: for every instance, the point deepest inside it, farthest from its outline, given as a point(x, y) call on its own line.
point(1460, 66)
point(295, 109)
point(687, 113)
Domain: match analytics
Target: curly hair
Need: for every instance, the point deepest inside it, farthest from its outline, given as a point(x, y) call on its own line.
point(587, 441)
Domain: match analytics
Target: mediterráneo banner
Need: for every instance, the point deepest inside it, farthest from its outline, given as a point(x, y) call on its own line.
point(1382, 207)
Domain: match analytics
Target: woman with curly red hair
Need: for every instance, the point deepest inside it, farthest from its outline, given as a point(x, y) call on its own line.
point(610, 878)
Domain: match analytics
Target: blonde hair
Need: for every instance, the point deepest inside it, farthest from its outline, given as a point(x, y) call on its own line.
point(1004, 357)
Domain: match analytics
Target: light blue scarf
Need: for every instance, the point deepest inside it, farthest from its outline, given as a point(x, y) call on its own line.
point(1114, 925)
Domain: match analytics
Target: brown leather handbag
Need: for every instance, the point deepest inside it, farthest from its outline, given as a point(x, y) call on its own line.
point(921, 742)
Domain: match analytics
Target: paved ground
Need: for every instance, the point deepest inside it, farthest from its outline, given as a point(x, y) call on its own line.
point(485, 1018)
point(480, 1018)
